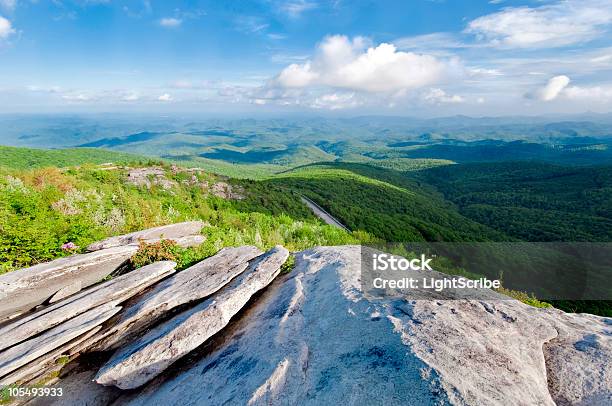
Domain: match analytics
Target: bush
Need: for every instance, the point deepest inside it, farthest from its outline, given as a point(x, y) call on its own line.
point(164, 250)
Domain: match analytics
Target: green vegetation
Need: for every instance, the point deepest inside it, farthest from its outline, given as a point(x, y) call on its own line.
point(524, 297)
point(392, 209)
point(381, 195)
point(28, 158)
point(43, 209)
point(531, 201)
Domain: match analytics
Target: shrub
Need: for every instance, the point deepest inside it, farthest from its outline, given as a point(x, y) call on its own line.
point(164, 250)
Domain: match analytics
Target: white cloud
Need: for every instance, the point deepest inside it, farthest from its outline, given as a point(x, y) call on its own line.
point(552, 25)
point(8, 5)
point(335, 101)
point(130, 97)
point(439, 96)
point(6, 28)
point(170, 22)
point(552, 89)
point(342, 63)
point(44, 89)
point(436, 40)
point(602, 94)
point(165, 97)
point(295, 8)
point(76, 97)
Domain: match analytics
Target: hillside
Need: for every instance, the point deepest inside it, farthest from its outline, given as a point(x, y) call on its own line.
point(530, 201)
point(28, 158)
point(43, 209)
point(384, 203)
point(407, 201)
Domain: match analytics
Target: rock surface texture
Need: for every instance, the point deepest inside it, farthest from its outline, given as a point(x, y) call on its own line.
point(233, 329)
point(312, 338)
point(138, 362)
point(23, 289)
point(171, 231)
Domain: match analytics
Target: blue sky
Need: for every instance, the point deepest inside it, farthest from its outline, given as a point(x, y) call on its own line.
point(411, 57)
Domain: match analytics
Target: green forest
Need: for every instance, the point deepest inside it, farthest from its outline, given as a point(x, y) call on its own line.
point(52, 197)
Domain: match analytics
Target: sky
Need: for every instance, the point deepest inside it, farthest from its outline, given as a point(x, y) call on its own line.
point(336, 57)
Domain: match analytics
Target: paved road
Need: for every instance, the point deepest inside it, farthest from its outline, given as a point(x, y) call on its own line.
point(323, 215)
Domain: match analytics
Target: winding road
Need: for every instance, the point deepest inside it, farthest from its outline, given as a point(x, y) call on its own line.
point(323, 215)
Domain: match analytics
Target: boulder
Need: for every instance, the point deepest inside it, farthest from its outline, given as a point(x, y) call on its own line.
point(140, 361)
point(192, 284)
point(118, 290)
point(23, 289)
point(313, 337)
point(170, 231)
point(27, 351)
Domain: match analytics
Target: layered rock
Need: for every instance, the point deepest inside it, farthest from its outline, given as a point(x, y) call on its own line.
point(192, 284)
point(140, 361)
point(313, 338)
point(230, 331)
point(23, 289)
point(184, 234)
point(118, 289)
point(21, 354)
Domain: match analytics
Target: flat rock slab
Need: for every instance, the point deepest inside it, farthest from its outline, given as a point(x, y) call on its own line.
point(23, 289)
point(194, 283)
point(170, 231)
point(309, 339)
point(314, 338)
point(118, 289)
point(42, 365)
point(139, 362)
point(21, 354)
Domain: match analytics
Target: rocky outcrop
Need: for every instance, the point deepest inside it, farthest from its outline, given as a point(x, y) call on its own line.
point(23, 289)
point(19, 355)
point(182, 233)
point(117, 289)
point(192, 284)
point(138, 362)
point(149, 177)
point(313, 338)
point(231, 330)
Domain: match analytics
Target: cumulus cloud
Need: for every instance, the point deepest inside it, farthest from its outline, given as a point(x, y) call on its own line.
point(6, 28)
point(439, 96)
point(553, 88)
point(552, 25)
point(165, 97)
point(170, 22)
point(352, 64)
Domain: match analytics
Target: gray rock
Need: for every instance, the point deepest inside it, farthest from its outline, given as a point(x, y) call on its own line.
point(66, 291)
point(21, 354)
point(23, 289)
point(47, 363)
point(139, 362)
point(314, 338)
point(118, 289)
point(194, 283)
point(170, 231)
